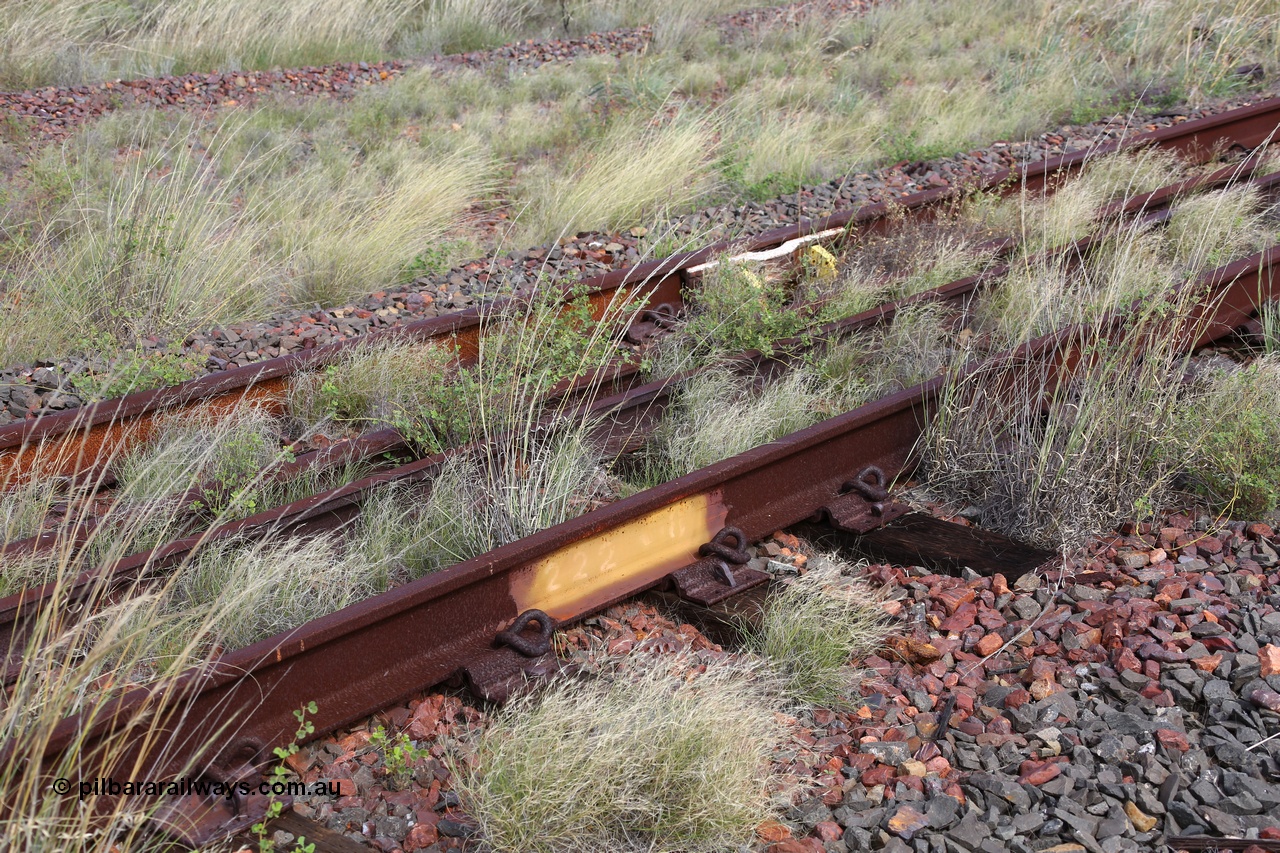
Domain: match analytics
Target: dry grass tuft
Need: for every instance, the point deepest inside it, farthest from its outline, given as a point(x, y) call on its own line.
point(74, 660)
point(24, 507)
point(342, 242)
point(915, 347)
point(457, 26)
point(503, 493)
point(161, 250)
point(813, 629)
point(717, 414)
point(1217, 227)
point(1051, 465)
point(283, 583)
point(78, 41)
point(631, 175)
point(1051, 459)
point(647, 760)
point(225, 454)
point(188, 229)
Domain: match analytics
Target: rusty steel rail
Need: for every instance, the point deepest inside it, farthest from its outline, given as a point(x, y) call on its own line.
point(1153, 206)
point(624, 402)
point(454, 623)
point(1212, 845)
point(628, 408)
point(71, 442)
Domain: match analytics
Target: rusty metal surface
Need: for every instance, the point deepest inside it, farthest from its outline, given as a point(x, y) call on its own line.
point(720, 572)
point(1210, 844)
point(630, 409)
point(863, 503)
point(434, 626)
point(77, 438)
point(69, 442)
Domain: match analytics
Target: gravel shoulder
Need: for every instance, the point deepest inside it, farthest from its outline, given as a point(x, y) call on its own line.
point(1129, 698)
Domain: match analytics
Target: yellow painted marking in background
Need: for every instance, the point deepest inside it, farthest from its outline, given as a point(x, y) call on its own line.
point(821, 262)
point(593, 571)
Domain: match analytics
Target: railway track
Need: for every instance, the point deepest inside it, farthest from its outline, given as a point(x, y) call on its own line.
point(72, 442)
point(388, 443)
point(489, 619)
point(622, 401)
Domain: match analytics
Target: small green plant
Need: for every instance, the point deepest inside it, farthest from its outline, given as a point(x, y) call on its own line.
point(1234, 429)
point(437, 259)
point(813, 629)
point(280, 775)
point(740, 309)
point(399, 755)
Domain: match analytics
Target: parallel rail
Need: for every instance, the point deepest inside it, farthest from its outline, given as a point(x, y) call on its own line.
point(625, 405)
point(1152, 207)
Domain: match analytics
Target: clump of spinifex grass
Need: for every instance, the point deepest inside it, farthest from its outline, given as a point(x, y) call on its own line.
point(1232, 428)
point(1044, 292)
point(536, 343)
point(633, 173)
point(528, 466)
point(479, 499)
point(647, 759)
point(814, 628)
point(1054, 463)
point(24, 507)
point(1053, 459)
point(291, 581)
point(919, 256)
point(717, 414)
point(915, 347)
point(1217, 227)
point(503, 493)
point(206, 224)
point(224, 455)
point(725, 409)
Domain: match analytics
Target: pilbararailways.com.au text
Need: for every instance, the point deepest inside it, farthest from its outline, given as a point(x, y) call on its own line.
point(107, 787)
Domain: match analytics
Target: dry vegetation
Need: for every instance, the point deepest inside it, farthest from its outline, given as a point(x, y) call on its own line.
point(157, 225)
point(1054, 462)
point(648, 758)
point(151, 224)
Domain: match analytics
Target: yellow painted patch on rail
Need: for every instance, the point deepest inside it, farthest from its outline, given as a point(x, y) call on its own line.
point(608, 565)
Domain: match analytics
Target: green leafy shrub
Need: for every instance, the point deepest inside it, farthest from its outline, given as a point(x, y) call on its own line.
point(740, 309)
point(1235, 430)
